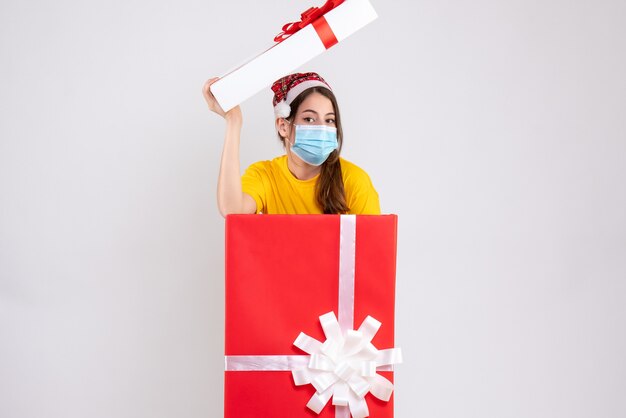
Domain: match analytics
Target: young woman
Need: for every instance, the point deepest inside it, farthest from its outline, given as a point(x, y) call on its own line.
point(311, 177)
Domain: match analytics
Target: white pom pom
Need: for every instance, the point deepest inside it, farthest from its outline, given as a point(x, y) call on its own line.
point(282, 109)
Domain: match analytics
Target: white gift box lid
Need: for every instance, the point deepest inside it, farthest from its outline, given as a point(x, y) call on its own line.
point(243, 82)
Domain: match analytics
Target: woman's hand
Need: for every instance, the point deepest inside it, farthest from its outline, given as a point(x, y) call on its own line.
point(214, 106)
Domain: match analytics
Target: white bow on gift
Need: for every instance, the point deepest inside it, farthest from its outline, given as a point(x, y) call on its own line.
point(344, 366)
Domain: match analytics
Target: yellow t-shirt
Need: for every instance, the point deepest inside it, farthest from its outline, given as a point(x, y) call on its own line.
point(277, 191)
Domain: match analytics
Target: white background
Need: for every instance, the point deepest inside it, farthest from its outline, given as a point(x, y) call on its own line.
point(496, 130)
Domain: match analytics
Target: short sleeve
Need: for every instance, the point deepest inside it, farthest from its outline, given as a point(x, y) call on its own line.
point(252, 184)
point(361, 196)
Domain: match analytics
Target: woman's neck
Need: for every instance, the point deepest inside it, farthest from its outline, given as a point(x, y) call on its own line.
point(300, 169)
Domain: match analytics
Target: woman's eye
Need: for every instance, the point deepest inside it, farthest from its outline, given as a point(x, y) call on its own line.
point(309, 120)
point(330, 121)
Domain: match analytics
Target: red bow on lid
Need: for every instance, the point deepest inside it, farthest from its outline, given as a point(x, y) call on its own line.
point(306, 18)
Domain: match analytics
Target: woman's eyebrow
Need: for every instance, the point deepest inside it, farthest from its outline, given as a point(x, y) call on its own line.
point(313, 111)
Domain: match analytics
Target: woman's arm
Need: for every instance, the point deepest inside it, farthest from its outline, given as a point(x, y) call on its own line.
point(230, 198)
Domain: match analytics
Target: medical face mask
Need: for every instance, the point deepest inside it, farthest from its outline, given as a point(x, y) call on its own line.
point(314, 143)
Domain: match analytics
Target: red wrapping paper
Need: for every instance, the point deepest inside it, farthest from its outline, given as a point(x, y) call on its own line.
point(281, 275)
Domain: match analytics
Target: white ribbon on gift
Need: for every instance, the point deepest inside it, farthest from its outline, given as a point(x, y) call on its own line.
point(345, 366)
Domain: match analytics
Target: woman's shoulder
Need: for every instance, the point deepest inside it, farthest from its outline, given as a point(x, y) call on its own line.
point(352, 172)
point(268, 165)
point(361, 195)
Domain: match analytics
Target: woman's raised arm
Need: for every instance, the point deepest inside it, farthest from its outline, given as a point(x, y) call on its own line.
point(230, 198)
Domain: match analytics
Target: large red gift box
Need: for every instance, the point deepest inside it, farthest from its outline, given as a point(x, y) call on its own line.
point(282, 274)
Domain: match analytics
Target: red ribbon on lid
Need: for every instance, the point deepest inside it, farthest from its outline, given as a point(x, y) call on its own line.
point(315, 16)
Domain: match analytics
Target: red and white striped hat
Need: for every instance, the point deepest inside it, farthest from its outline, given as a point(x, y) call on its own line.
point(289, 87)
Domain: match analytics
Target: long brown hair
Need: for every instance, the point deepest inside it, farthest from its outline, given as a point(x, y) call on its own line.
point(329, 192)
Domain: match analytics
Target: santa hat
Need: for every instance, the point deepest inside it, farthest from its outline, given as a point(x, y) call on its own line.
point(289, 87)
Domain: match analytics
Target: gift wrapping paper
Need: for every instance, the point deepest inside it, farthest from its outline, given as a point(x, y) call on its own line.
point(284, 286)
